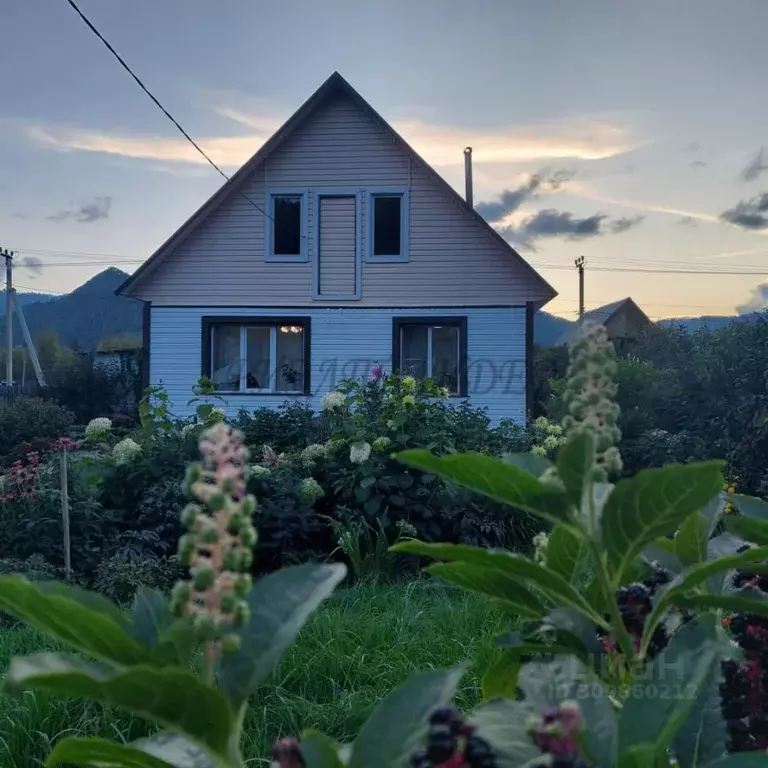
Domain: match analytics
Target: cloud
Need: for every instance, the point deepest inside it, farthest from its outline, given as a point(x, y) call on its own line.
point(511, 199)
point(687, 221)
point(757, 302)
point(578, 138)
point(552, 223)
point(749, 214)
point(618, 226)
point(693, 147)
point(698, 164)
point(755, 167)
point(86, 213)
point(33, 263)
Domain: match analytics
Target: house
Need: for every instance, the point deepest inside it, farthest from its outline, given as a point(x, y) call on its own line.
point(117, 354)
point(623, 320)
point(336, 247)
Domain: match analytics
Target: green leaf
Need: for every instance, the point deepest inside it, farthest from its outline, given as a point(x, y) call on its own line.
point(151, 616)
point(503, 586)
point(363, 492)
point(174, 698)
point(367, 482)
point(674, 592)
point(373, 505)
point(92, 600)
point(494, 478)
point(691, 539)
point(662, 550)
point(756, 759)
point(660, 701)
point(500, 679)
point(724, 545)
point(547, 685)
point(572, 622)
point(749, 506)
point(750, 528)
point(702, 737)
point(530, 462)
point(737, 603)
point(397, 725)
point(713, 511)
point(319, 751)
point(575, 466)
point(653, 503)
point(504, 725)
point(547, 581)
point(280, 604)
point(83, 621)
point(564, 551)
point(163, 750)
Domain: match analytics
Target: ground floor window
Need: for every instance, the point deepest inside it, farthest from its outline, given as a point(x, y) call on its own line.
point(432, 348)
point(254, 355)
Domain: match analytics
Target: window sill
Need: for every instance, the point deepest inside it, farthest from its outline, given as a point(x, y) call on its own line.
point(239, 393)
point(286, 259)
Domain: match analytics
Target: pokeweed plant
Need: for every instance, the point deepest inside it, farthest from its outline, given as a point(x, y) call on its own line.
point(589, 680)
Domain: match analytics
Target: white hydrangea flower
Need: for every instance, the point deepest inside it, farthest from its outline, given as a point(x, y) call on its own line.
point(359, 452)
point(332, 400)
point(258, 471)
point(98, 429)
point(382, 444)
point(188, 429)
point(313, 453)
point(311, 490)
point(551, 442)
point(216, 415)
point(126, 451)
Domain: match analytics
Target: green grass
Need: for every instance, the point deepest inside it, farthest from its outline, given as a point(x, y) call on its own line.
point(356, 648)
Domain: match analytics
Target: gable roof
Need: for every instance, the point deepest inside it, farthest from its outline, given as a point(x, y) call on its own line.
point(334, 85)
point(601, 315)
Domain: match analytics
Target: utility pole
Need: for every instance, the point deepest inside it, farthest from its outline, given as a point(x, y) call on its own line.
point(580, 266)
point(8, 256)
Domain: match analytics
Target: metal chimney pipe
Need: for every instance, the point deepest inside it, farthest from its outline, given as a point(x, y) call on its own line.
point(468, 175)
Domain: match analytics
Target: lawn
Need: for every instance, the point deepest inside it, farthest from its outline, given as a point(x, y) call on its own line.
point(358, 646)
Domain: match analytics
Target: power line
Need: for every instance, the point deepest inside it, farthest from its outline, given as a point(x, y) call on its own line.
point(165, 111)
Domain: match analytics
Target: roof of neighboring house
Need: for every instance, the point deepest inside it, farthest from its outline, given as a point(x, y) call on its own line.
point(333, 85)
point(601, 315)
point(114, 346)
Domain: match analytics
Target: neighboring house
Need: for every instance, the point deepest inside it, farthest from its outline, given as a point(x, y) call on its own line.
point(623, 320)
point(117, 353)
point(334, 248)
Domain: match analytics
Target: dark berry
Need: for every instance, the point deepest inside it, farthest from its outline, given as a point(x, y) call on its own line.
point(444, 715)
point(441, 743)
point(419, 759)
point(479, 753)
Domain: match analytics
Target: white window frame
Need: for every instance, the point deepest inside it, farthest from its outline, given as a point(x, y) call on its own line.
point(243, 349)
point(269, 225)
point(404, 195)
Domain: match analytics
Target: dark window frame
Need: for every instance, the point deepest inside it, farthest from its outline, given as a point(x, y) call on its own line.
point(404, 194)
point(459, 321)
point(270, 224)
point(210, 321)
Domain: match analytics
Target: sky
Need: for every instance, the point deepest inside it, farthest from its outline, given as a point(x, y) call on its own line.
point(629, 133)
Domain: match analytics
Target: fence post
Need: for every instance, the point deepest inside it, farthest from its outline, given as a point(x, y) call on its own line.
point(65, 514)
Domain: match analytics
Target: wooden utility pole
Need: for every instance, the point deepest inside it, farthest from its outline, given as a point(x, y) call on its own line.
point(8, 256)
point(580, 266)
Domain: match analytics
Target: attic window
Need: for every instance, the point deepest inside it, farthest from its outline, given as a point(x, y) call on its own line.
point(286, 225)
point(388, 225)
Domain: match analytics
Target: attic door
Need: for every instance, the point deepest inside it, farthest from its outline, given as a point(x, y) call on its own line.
point(337, 242)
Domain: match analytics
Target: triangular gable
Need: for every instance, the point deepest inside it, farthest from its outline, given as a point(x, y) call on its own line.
point(335, 84)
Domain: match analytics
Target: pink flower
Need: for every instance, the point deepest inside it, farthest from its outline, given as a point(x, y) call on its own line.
point(377, 372)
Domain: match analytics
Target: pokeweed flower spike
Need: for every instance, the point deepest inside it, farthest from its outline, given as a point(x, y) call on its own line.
point(453, 743)
point(589, 395)
point(556, 732)
point(218, 548)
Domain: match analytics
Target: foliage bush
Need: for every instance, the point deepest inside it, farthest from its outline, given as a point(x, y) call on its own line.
point(30, 423)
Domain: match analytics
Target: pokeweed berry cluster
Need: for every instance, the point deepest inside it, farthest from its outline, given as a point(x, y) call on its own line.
point(744, 688)
point(218, 548)
point(635, 603)
point(556, 733)
point(453, 743)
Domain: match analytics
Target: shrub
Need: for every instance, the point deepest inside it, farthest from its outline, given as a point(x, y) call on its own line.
point(28, 419)
point(121, 576)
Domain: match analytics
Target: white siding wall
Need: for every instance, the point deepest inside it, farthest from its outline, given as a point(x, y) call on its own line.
point(337, 249)
point(454, 259)
point(346, 343)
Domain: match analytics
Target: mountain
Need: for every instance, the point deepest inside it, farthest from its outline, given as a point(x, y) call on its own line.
point(547, 329)
point(84, 317)
point(24, 299)
point(710, 322)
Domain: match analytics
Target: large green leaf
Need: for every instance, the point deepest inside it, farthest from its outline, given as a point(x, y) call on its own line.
point(662, 551)
point(170, 639)
point(653, 503)
point(546, 685)
point(750, 601)
point(174, 698)
point(749, 506)
point(578, 627)
point(576, 465)
point(674, 592)
point(702, 737)
point(660, 701)
point(750, 528)
point(500, 679)
point(503, 586)
point(280, 604)
point(530, 462)
point(691, 539)
point(83, 621)
point(494, 478)
point(564, 551)
point(503, 724)
point(319, 751)
point(163, 750)
point(397, 725)
point(713, 511)
point(756, 759)
point(724, 545)
point(549, 582)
